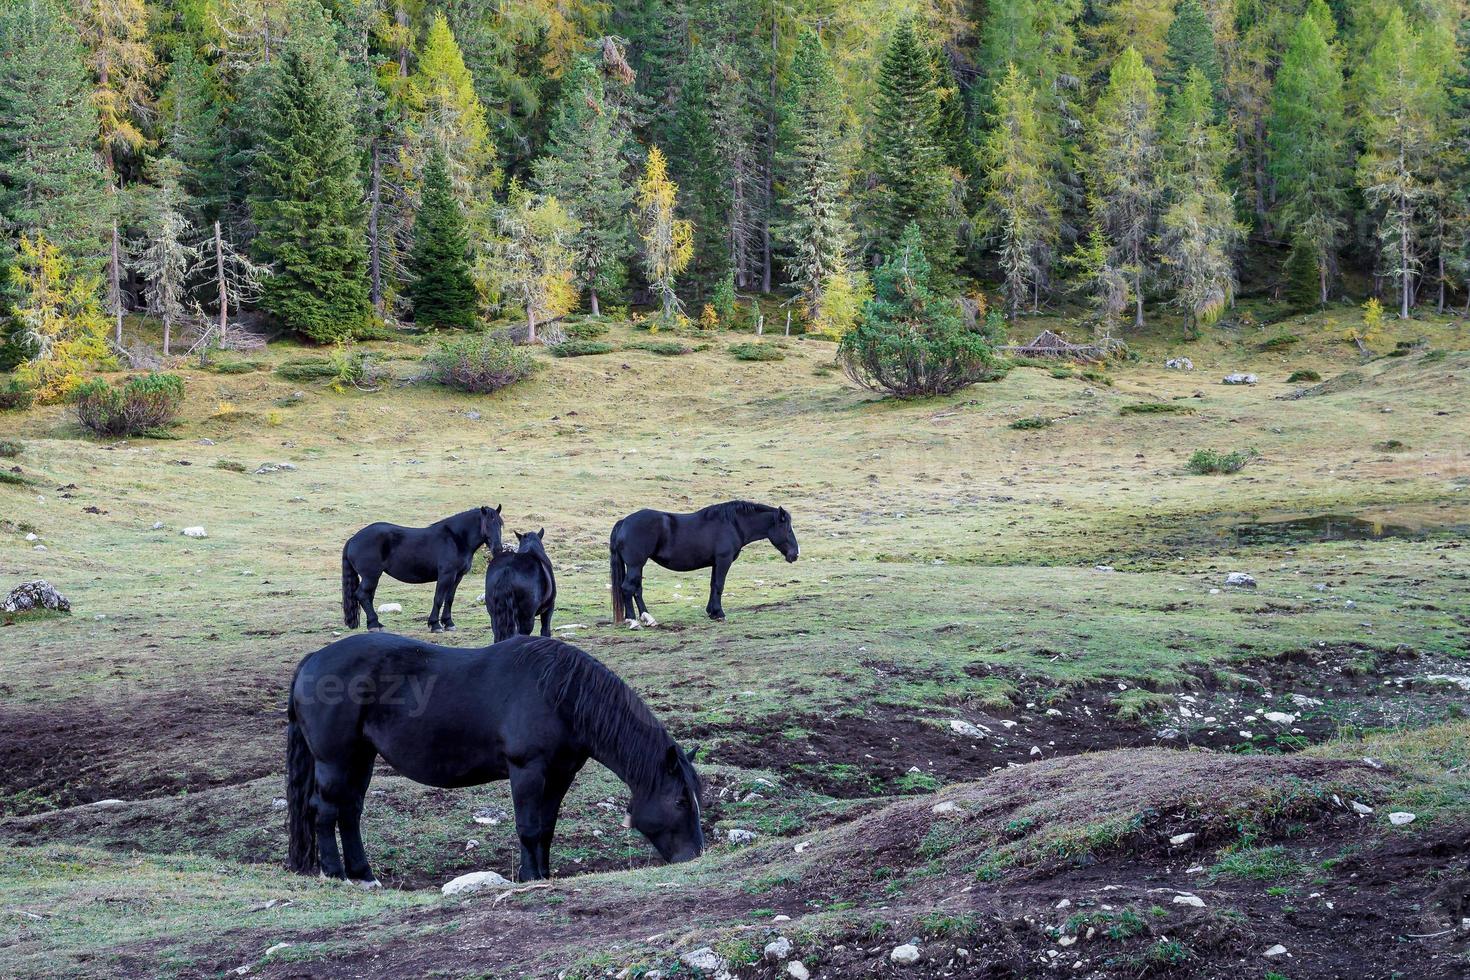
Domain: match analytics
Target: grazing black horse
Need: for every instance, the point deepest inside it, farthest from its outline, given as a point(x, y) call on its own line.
point(519, 586)
point(709, 538)
point(440, 553)
point(530, 709)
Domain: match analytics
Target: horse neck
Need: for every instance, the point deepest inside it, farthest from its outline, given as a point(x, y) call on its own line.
point(754, 525)
point(468, 524)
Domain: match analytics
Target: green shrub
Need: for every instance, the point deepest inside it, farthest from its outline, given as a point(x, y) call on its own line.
point(307, 369)
point(14, 395)
point(585, 330)
point(667, 348)
point(143, 403)
point(1279, 342)
point(757, 352)
point(1156, 408)
point(10, 449)
point(234, 466)
point(1062, 372)
point(1303, 374)
point(1097, 377)
point(1391, 446)
point(478, 363)
point(1207, 461)
point(234, 367)
point(1434, 356)
point(1034, 422)
point(14, 479)
point(580, 348)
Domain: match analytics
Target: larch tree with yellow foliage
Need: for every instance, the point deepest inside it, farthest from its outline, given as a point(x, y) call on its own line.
point(531, 262)
point(450, 115)
point(59, 323)
point(668, 242)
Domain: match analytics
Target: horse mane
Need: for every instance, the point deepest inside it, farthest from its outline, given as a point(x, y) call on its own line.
point(731, 508)
point(602, 708)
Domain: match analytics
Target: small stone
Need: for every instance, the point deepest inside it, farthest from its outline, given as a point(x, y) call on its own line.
point(279, 803)
point(798, 970)
point(32, 537)
point(1361, 808)
point(1239, 379)
point(1400, 818)
point(475, 881)
point(1035, 750)
point(194, 532)
point(905, 955)
point(1280, 717)
point(739, 836)
point(276, 948)
point(39, 547)
point(1240, 580)
point(777, 949)
point(1193, 901)
point(158, 525)
point(490, 816)
point(781, 918)
point(703, 958)
point(1179, 364)
point(1275, 951)
point(1103, 568)
point(1178, 839)
point(391, 607)
point(1064, 903)
point(965, 728)
point(1066, 940)
point(948, 806)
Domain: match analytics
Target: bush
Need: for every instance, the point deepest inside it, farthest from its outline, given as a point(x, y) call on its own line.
point(9, 449)
point(307, 369)
point(1156, 408)
point(586, 330)
point(478, 363)
point(234, 367)
point(143, 403)
point(1208, 461)
point(1279, 342)
point(234, 466)
point(911, 343)
point(1034, 422)
point(15, 396)
point(757, 352)
point(580, 348)
point(667, 348)
point(14, 479)
point(1304, 374)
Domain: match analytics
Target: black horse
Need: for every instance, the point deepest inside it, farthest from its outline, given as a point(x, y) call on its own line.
point(519, 586)
point(440, 553)
point(530, 709)
point(709, 538)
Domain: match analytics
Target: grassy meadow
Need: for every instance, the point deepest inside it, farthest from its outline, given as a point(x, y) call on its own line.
point(1059, 585)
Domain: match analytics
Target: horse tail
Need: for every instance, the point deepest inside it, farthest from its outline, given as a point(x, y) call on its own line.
point(616, 571)
point(300, 788)
point(502, 606)
point(350, 582)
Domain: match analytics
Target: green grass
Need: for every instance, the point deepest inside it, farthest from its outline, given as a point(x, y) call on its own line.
point(1032, 422)
point(1258, 864)
point(15, 479)
point(9, 448)
point(1156, 408)
point(756, 352)
point(665, 348)
point(1303, 374)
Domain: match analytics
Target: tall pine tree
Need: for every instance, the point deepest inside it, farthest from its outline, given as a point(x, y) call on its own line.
point(1307, 134)
point(193, 124)
point(305, 198)
point(1191, 44)
point(442, 291)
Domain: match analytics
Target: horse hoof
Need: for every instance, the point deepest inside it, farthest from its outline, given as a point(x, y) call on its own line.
point(450, 628)
point(436, 628)
point(647, 619)
point(632, 624)
point(375, 629)
point(367, 885)
point(718, 617)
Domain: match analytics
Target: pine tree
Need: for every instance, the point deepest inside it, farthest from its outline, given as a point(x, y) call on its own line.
point(813, 230)
point(585, 167)
point(1010, 36)
point(911, 183)
point(1198, 230)
point(1401, 96)
point(168, 251)
point(305, 196)
point(114, 33)
point(1019, 210)
point(1456, 247)
point(442, 291)
point(1307, 134)
point(194, 133)
point(1124, 162)
point(668, 242)
point(50, 180)
point(1191, 44)
point(1142, 25)
point(451, 114)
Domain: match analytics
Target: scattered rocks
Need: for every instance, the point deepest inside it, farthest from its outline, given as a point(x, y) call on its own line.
point(1240, 580)
point(797, 970)
point(390, 607)
point(1239, 379)
point(475, 881)
point(1193, 901)
point(33, 595)
point(948, 806)
point(703, 958)
point(266, 468)
point(1275, 951)
point(777, 949)
point(905, 955)
point(739, 836)
point(1361, 808)
point(1179, 364)
point(1178, 839)
point(194, 532)
point(1400, 818)
point(961, 727)
point(1280, 717)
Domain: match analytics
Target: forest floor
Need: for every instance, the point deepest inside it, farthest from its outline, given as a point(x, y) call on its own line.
point(979, 715)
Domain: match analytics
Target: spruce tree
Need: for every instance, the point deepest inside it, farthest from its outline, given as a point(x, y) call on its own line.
point(585, 167)
point(813, 229)
point(442, 291)
point(1124, 168)
point(1019, 210)
point(305, 198)
point(1307, 133)
point(193, 124)
point(1009, 36)
point(168, 251)
point(1456, 245)
point(911, 182)
point(1191, 44)
point(50, 180)
point(1198, 230)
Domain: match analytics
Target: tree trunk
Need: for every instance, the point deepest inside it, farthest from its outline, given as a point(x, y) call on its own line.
point(530, 323)
point(223, 286)
point(1138, 300)
point(114, 282)
point(1439, 307)
point(596, 310)
point(167, 331)
point(770, 182)
point(1404, 283)
point(375, 260)
point(1322, 284)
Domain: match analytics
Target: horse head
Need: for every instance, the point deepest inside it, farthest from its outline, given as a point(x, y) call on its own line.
point(667, 810)
point(490, 528)
point(531, 542)
point(783, 537)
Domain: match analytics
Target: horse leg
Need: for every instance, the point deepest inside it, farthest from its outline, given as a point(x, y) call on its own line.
point(349, 818)
point(715, 609)
point(546, 621)
point(434, 626)
point(333, 794)
point(366, 589)
point(527, 789)
point(447, 620)
point(632, 589)
point(525, 620)
point(635, 582)
point(558, 781)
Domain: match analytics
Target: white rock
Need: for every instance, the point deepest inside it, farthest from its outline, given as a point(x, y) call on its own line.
point(475, 881)
point(739, 836)
point(777, 949)
point(1275, 951)
point(1178, 839)
point(1179, 364)
point(277, 948)
point(1461, 681)
point(391, 607)
point(158, 525)
point(965, 728)
point(798, 970)
point(1240, 580)
point(1362, 808)
point(905, 955)
point(1035, 750)
point(703, 958)
point(802, 846)
point(32, 537)
point(1193, 901)
point(194, 532)
point(1064, 903)
point(1053, 713)
point(1103, 568)
point(1066, 940)
point(781, 918)
point(1401, 817)
point(1280, 717)
point(1239, 379)
point(948, 806)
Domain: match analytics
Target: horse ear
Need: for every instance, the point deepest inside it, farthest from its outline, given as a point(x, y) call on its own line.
point(541, 533)
point(519, 535)
point(497, 507)
point(671, 761)
point(785, 517)
point(692, 753)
